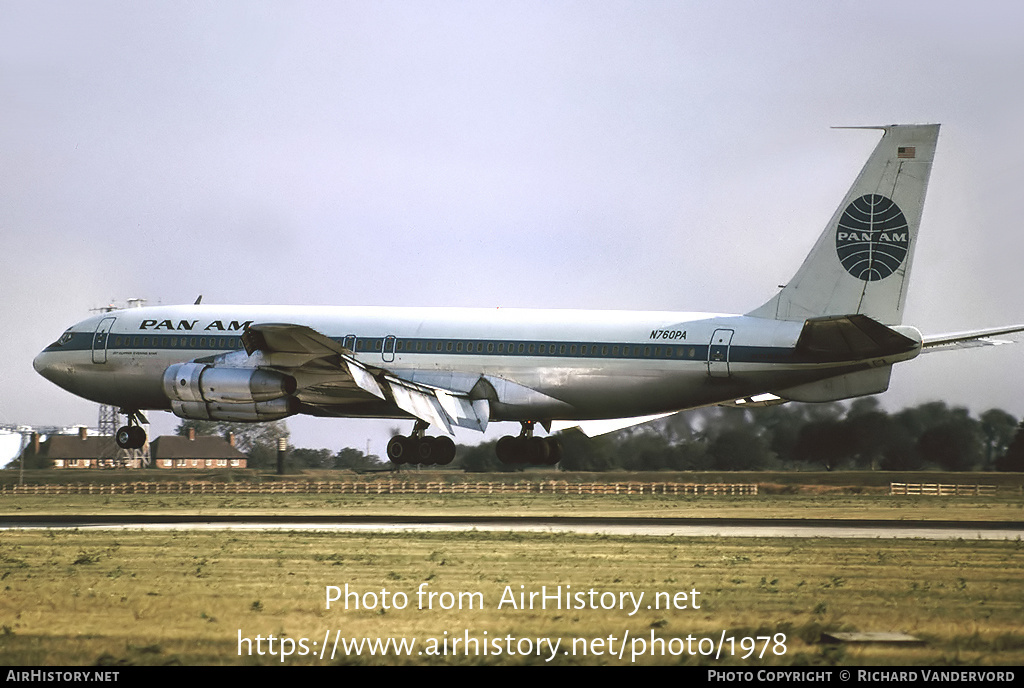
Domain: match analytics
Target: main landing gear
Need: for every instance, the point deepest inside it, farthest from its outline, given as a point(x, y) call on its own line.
point(527, 449)
point(131, 436)
point(417, 448)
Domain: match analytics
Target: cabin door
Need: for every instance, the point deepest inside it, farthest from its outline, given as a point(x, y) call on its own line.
point(388, 352)
point(718, 353)
point(99, 340)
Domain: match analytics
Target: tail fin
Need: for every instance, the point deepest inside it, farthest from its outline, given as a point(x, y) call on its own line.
point(861, 263)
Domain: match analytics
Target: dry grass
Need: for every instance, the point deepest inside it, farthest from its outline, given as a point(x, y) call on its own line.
point(88, 597)
point(183, 597)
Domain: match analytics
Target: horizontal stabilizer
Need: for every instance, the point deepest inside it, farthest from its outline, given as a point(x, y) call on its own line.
point(967, 340)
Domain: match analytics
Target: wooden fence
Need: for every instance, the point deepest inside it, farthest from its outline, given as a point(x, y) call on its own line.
point(381, 487)
point(397, 487)
point(939, 489)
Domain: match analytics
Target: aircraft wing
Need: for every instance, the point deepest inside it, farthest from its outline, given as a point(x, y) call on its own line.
point(594, 428)
point(966, 340)
point(329, 377)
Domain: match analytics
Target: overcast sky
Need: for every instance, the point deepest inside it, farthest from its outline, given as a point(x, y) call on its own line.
point(638, 155)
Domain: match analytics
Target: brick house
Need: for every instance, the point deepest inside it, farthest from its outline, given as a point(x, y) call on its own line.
point(77, 451)
point(202, 451)
point(98, 451)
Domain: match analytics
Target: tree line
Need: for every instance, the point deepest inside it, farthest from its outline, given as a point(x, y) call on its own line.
point(855, 436)
point(859, 435)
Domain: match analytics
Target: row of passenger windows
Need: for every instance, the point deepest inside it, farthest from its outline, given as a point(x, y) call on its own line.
point(528, 348)
point(178, 342)
point(438, 346)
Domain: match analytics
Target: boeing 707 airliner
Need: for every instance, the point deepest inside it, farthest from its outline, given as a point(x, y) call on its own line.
point(833, 332)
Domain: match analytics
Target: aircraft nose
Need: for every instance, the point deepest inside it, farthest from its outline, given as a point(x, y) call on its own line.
point(47, 366)
point(39, 363)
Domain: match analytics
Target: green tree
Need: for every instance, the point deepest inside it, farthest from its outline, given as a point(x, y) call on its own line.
point(900, 452)
point(823, 441)
point(953, 441)
point(300, 457)
point(870, 432)
point(355, 460)
point(998, 428)
point(1013, 459)
point(580, 453)
point(904, 451)
point(480, 459)
point(781, 425)
point(646, 451)
point(740, 449)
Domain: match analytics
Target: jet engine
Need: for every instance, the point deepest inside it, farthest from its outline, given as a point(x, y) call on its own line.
point(276, 409)
point(204, 392)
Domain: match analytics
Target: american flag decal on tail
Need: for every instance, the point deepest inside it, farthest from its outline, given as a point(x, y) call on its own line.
point(909, 152)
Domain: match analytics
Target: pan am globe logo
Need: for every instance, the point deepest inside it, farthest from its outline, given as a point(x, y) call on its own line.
point(872, 238)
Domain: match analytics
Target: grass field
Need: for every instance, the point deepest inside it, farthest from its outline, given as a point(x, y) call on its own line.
point(99, 597)
point(186, 597)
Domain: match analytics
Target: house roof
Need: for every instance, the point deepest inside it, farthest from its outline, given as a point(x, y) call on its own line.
point(202, 447)
point(75, 447)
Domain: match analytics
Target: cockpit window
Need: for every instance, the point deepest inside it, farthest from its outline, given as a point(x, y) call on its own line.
point(64, 338)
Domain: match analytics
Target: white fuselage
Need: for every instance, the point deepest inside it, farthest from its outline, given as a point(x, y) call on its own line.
point(560, 364)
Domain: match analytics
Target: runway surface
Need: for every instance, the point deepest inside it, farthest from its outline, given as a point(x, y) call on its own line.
point(664, 527)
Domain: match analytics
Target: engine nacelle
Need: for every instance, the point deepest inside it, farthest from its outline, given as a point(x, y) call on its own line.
point(198, 382)
point(259, 411)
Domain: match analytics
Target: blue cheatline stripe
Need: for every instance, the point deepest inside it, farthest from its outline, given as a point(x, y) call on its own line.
point(411, 347)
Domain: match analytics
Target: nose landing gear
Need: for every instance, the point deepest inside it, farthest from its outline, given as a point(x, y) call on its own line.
point(131, 436)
